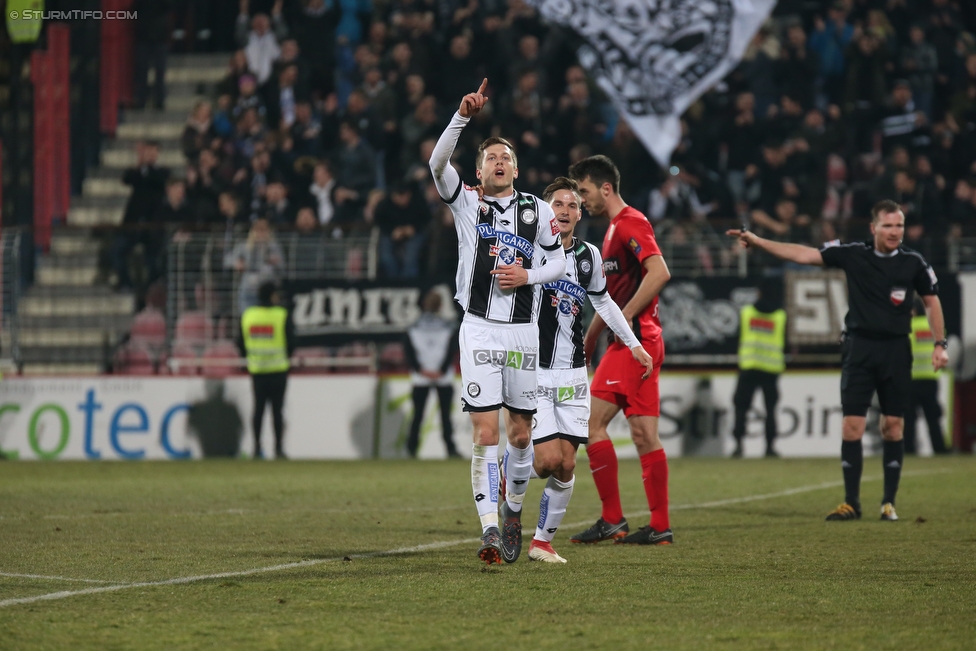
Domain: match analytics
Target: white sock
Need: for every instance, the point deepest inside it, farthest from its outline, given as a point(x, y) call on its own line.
point(484, 483)
point(518, 469)
point(552, 507)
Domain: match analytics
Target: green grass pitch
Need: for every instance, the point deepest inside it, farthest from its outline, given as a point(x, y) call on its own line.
point(381, 555)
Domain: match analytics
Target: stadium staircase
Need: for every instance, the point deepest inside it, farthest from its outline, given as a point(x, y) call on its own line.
point(71, 319)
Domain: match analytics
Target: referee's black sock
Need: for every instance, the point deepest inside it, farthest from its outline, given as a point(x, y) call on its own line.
point(893, 455)
point(852, 462)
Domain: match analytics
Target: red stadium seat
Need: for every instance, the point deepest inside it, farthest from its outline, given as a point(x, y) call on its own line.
point(184, 351)
point(149, 329)
point(133, 359)
point(194, 327)
point(222, 350)
point(312, 354)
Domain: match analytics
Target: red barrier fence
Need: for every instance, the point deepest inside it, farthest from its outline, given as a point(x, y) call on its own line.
point(52, 132)
point(115, 67)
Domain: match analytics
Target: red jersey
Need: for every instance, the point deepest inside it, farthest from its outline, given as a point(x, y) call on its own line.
point(628, 242)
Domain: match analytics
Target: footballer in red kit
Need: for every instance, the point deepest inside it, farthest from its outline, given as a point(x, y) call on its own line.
point(636, 273)
point(628, 243)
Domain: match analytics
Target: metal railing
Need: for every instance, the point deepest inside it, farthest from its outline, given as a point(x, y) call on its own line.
point(10, 243)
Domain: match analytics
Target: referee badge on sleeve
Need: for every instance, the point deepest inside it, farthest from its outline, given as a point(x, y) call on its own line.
point(898, 295)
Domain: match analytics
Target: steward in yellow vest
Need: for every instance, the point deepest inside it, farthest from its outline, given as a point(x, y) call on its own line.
point(762, 338)
point(925, 387)
point(266, 340)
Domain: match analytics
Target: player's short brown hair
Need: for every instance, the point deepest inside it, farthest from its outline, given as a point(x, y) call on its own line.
point(883, 207)
point(494, 140)
point(599, 169)
point(560, 183)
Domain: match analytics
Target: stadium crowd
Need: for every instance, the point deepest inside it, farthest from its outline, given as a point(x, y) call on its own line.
point(329, 111)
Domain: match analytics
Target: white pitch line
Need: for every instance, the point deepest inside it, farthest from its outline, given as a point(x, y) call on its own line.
point(408, 550)
point(53, 578)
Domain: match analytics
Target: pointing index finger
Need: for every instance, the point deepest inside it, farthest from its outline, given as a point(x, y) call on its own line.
point(484, 85)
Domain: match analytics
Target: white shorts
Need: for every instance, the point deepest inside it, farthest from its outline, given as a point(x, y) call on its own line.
point(564, 406)
point(498, 365)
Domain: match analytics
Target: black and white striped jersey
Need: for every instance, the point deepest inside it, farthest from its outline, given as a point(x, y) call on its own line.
point(561, 312)
point(494, 232)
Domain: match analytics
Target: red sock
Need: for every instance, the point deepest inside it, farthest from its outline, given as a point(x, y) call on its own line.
point(655, 471)
point(603, 465)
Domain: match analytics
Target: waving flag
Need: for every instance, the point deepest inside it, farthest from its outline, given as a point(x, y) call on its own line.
point(653, 58)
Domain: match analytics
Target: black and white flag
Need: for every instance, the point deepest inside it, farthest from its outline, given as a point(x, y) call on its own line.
point(654, 58)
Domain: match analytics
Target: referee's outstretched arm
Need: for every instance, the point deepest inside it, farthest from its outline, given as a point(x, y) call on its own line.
point(793, 252)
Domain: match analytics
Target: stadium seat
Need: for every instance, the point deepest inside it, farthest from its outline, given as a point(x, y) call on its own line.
point(392, 358)
point(149, 329)
point(222, 350)
point(133, 359)
point(184, 351)
point(312, 354)
point(194, 328)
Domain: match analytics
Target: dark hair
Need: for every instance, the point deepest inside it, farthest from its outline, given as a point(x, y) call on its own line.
point(494, 140)
point(598, 169)
point(560, 183)
point(883, 207)
point(266, 292)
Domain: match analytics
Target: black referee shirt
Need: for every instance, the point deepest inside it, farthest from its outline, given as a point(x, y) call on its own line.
point(880, 287)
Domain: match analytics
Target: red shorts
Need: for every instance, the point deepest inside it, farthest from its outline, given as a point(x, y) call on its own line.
point(618, 379)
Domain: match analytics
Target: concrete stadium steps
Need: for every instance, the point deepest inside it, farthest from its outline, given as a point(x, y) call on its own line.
point(70, 324)
point(43, 369)
point(68, 302)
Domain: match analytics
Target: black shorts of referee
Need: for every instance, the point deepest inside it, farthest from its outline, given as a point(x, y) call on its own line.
point(875, 362)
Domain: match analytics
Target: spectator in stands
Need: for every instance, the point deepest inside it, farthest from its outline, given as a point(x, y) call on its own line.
point(281, 97)
point(174, 211)
point(223, 123)
point(306, 131)
point(421, 124)
point(403, 219)
point(258, 260)
point(199, 130)
point(829, 40)
point(203, 189)
point(322, 190)
point(315, 33)
point(277, 209)
point(236, 69)
point(151, 44)
point(248, 98)
point(306, 224)
point(355, 163)
point(919, 63)
point(796, 66)
point(231, 217)
point(260, 43)
point(148, 183)
point(901, 122)
point(291, 55)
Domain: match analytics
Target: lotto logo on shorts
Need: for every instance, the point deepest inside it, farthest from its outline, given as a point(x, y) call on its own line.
point(506, 358)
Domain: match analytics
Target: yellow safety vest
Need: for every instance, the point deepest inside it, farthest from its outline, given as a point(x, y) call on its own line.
point(26, 27)
point(263, 329)
point(762, 338)
point(923, 343)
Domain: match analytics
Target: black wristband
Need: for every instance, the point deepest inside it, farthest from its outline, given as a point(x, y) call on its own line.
point(944, 343)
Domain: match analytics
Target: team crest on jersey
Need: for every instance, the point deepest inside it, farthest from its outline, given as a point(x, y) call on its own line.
point(585, 266)
point(474, 390)
point(506, 254)
point(635, 246)
point(527, 216)
point(554, 225)
point(898, 295)
point(565, 305)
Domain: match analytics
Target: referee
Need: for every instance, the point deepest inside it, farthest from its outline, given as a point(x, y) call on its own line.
point(882, 278)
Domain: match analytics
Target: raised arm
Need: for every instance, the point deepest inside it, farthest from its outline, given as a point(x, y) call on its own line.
point(446, 178)
point(784, 250)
